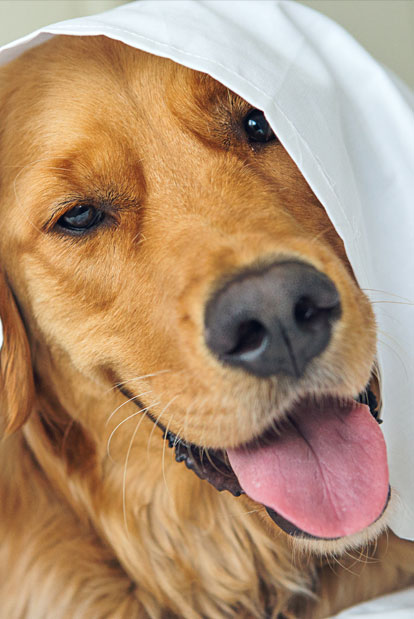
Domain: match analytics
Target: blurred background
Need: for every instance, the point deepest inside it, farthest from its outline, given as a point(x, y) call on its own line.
point(384, 27)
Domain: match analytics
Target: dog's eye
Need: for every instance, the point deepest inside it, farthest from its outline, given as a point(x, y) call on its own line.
point(79, 218)
point(257, 127)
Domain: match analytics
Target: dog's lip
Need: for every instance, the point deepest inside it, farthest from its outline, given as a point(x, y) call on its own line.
point(213, 466)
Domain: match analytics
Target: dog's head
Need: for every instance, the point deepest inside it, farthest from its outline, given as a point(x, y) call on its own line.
point(156, 235)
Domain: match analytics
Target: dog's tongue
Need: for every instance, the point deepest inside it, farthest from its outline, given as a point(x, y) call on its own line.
point(326, 473)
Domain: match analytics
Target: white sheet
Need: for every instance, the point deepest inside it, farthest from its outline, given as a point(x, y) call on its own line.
point(395, 606)
point(346, 124)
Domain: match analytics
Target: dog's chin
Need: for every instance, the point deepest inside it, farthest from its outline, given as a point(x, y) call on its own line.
point(336, 547)
point(216, 466)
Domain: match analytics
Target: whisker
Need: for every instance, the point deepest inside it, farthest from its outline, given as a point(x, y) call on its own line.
point(397, 296)
point(388, 345)
point(135, 397)
point(163, 458)
point(125, 473)
point(393, 302)
point(142, 410)
point(178, 437)
point(224, 473)
point(186, 415)
point(344, 567)
point(124, 382)
point(156, 423)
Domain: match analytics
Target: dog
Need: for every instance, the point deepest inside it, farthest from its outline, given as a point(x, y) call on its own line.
point(173, 297)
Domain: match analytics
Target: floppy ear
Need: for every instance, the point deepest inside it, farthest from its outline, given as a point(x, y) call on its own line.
point(16, 377)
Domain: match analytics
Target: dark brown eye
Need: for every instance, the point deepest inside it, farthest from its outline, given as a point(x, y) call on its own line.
point(257, 127)
point(80, 218)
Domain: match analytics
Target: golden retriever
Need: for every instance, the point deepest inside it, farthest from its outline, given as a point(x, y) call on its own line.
point(174, 298)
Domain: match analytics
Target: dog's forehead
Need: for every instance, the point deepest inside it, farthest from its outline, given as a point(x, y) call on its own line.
point(110, 72)
point(92, 92)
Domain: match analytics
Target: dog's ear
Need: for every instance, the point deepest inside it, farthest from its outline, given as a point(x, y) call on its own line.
point(16, 376)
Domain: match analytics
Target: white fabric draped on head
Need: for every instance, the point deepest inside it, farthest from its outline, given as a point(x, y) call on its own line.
point(348, 125)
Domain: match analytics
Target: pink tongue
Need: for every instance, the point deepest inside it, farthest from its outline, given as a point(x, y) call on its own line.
point(327, 474)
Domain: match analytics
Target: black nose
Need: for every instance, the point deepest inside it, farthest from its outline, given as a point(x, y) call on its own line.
point(273, 320)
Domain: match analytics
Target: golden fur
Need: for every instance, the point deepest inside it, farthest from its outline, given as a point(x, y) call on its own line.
point(96, 517)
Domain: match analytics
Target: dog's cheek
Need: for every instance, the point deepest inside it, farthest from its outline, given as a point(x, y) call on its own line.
point(356, 337)
point(16, 377)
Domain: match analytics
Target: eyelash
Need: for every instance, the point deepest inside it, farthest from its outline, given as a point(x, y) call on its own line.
point(93, 219)
point(56, 224)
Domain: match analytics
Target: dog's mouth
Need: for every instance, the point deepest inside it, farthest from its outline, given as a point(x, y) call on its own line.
point(321, 473)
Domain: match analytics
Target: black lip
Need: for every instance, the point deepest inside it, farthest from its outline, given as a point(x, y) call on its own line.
point(213, 466)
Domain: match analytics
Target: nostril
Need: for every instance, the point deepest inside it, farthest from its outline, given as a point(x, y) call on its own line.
point(307, 311)
point(251, 337)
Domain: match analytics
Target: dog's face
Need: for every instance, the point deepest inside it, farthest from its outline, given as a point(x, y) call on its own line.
point(153, 226)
